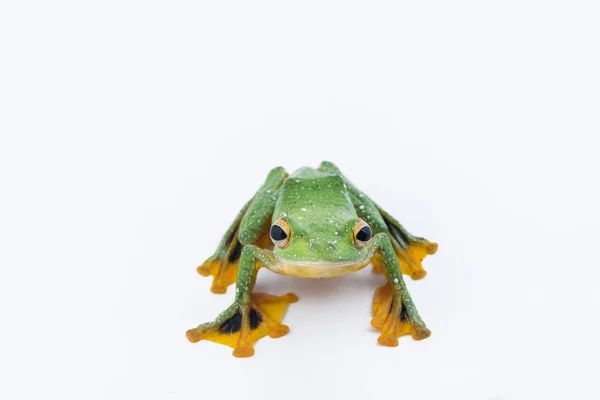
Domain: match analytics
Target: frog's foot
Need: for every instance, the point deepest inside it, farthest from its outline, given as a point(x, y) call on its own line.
point(411, 259)
point(224, 268)
point(239, 327)
point(223, 271)
point(393, 320)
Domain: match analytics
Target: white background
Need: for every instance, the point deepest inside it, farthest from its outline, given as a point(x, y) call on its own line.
point(133, 131)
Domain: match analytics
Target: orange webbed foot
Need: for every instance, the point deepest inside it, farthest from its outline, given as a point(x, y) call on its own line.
point(263, 318)
point(223, 272)
point(393, 319)
point(411, 259)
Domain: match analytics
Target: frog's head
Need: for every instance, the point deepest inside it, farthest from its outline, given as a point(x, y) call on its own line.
point(320, 248)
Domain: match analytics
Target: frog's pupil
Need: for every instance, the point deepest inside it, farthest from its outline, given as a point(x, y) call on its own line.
point(277, 233)
point(364, 234)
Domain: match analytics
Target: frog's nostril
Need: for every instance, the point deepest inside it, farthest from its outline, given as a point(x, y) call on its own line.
point(332, 247)
point(314, 246)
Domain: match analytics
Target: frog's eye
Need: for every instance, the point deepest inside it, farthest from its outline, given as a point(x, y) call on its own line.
point(362, 233)
point(280, 233)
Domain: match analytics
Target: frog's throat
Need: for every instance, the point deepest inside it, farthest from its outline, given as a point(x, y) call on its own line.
point(319, 269)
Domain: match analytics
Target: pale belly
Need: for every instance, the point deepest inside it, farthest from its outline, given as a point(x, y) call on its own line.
point(318, 270)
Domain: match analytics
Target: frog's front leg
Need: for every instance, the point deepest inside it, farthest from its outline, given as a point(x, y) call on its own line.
point(250, 226)
point(252, 315)
point(394, 312)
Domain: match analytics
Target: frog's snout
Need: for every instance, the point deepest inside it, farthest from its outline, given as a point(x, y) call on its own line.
point(332, 247)
point(329, 247)
point(314, 247)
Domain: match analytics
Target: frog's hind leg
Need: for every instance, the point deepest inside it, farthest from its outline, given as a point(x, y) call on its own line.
point(411, 250)
point(223, 265)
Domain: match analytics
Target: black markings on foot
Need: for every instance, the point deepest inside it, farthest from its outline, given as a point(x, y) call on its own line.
point(396, 233)
point(403, 315)
point(255, 319)
point(235, 253)
point(230, 238)
point(234, 324)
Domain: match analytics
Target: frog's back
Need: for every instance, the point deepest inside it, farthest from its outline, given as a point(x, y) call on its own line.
point(311, 173)
point(312, 194)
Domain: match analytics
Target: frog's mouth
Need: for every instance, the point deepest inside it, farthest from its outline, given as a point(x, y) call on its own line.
point(321, 269)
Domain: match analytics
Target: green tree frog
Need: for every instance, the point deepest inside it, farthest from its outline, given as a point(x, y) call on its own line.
point(312, 223)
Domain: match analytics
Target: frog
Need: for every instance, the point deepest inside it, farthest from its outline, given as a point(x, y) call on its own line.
point(311, 223)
